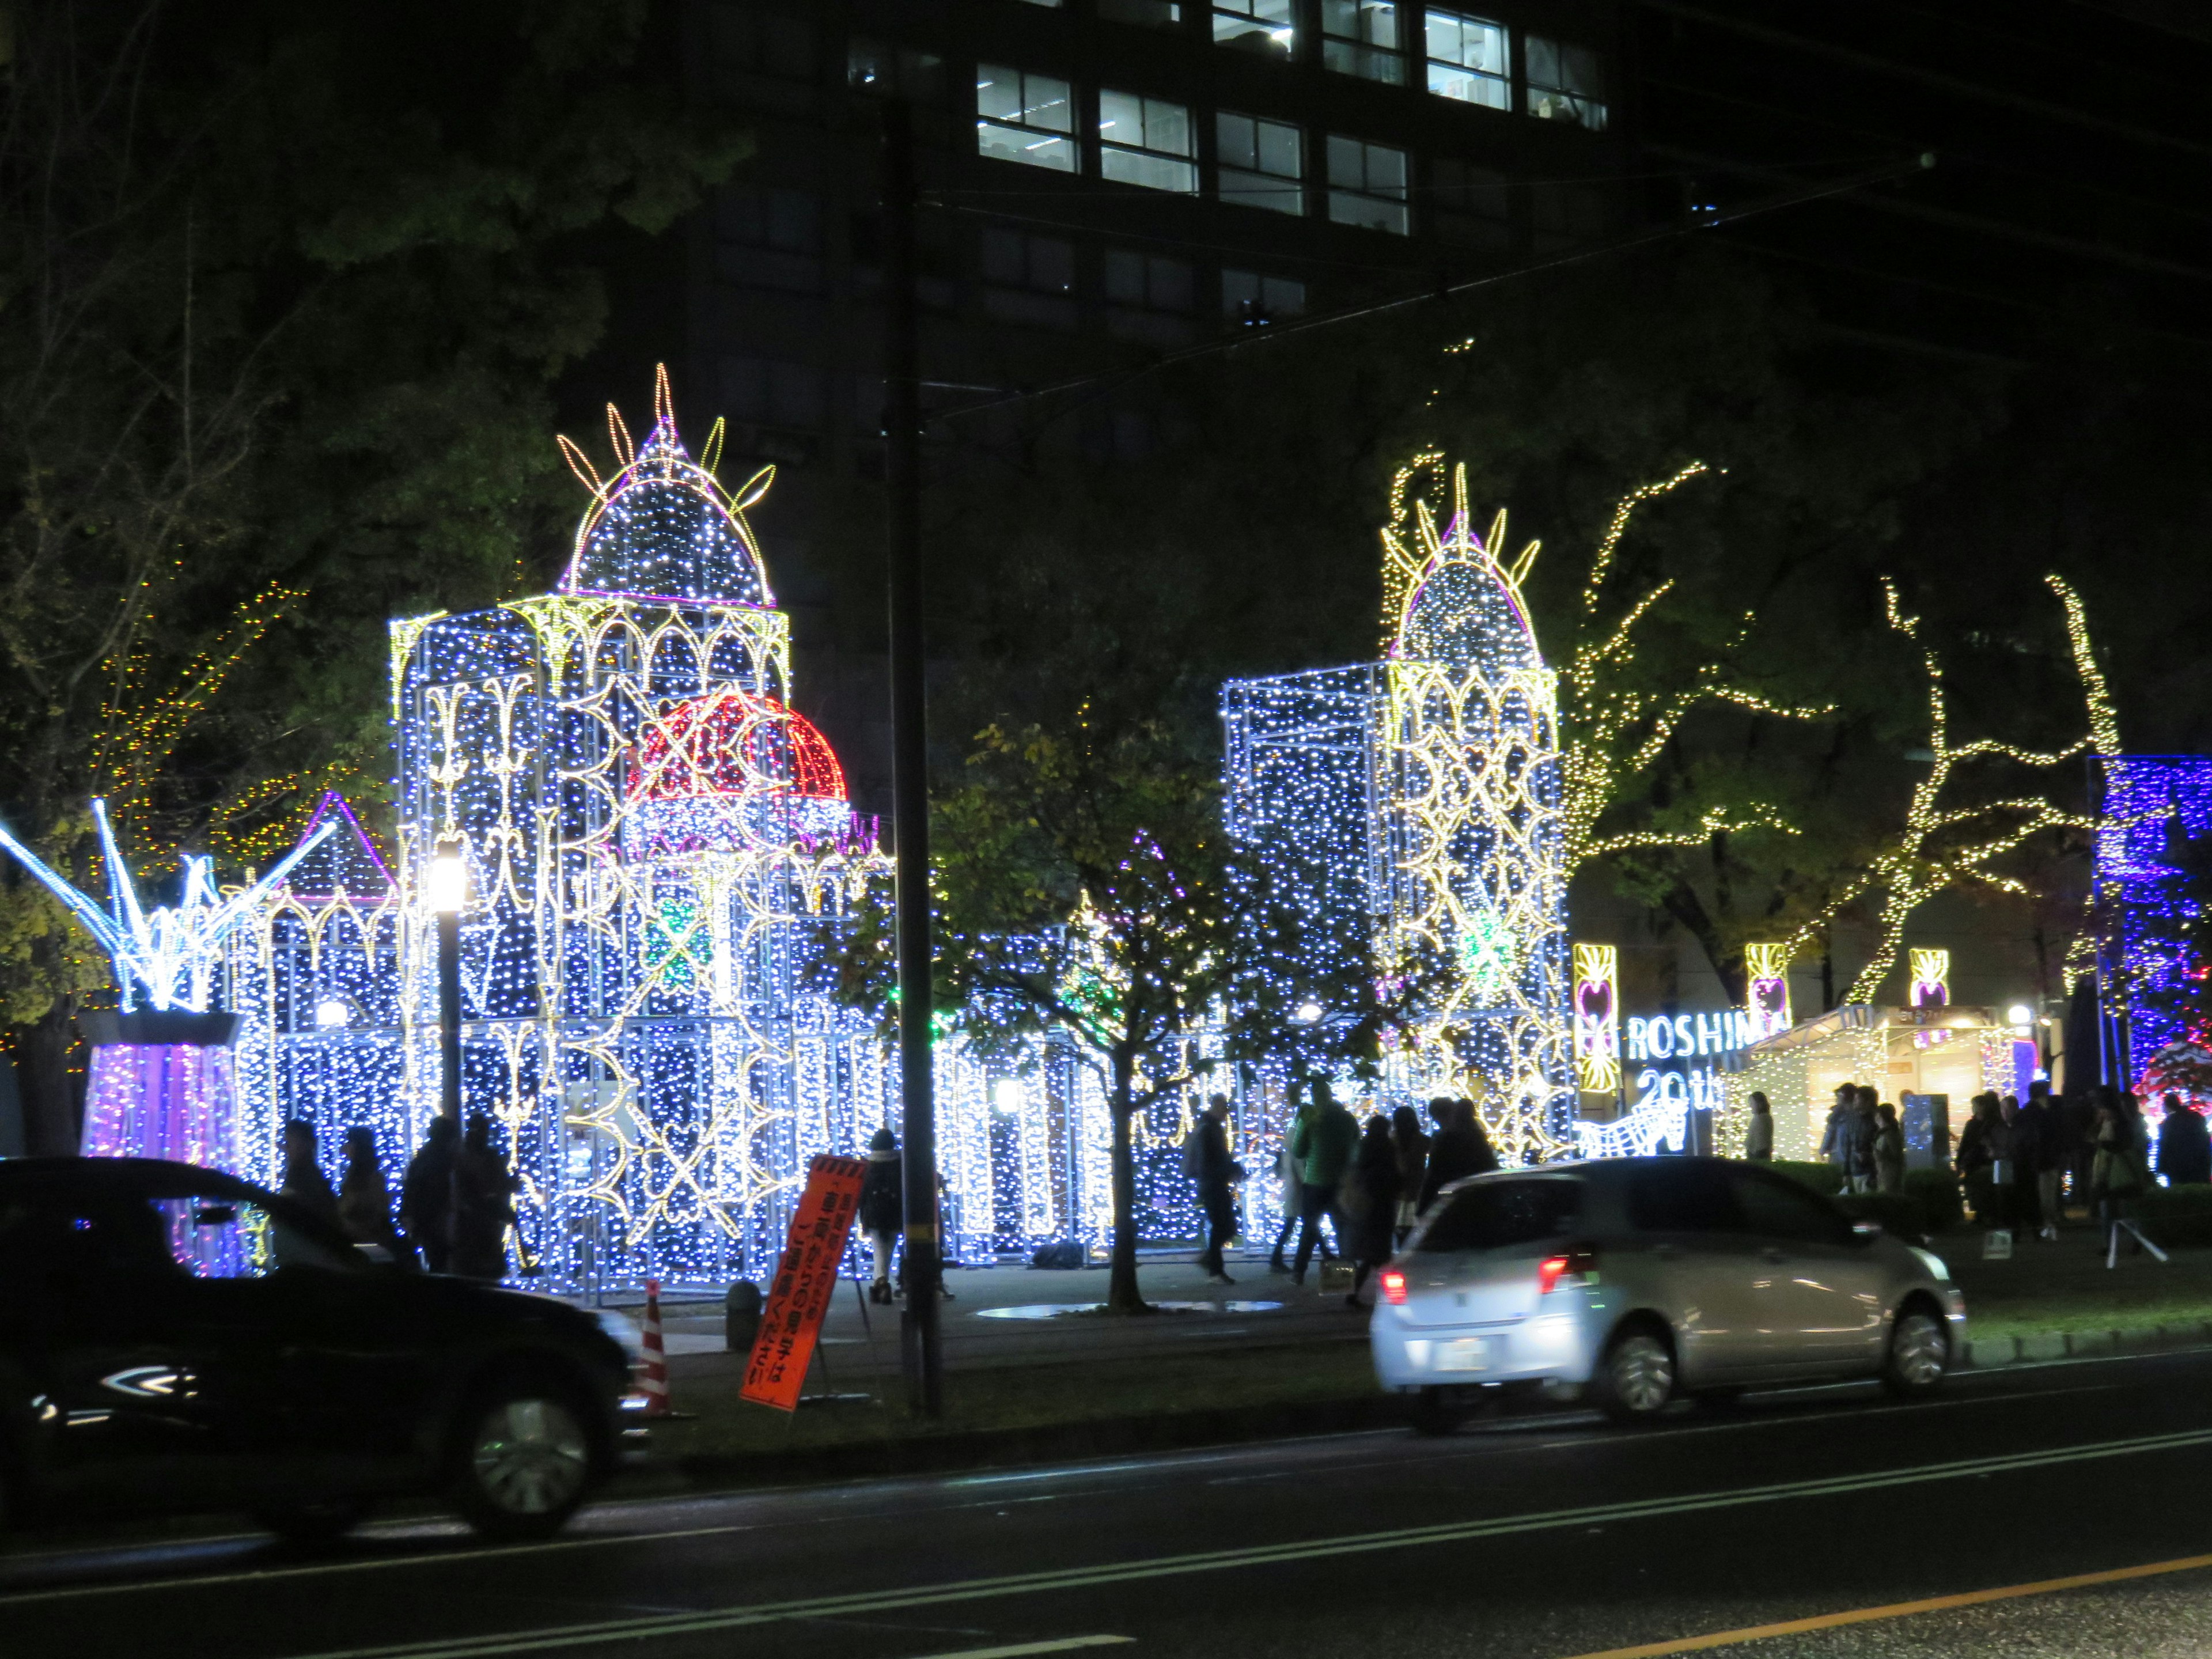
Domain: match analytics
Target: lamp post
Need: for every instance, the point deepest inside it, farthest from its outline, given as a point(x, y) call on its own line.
point(448, 888)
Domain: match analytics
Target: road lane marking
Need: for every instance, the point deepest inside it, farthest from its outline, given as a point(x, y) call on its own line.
point(1018, 1650)
point(1898, 1610)
point(548, 1638)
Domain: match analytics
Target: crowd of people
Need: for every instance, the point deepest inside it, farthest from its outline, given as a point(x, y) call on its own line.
point(456, 1200)
point(1362, 1184)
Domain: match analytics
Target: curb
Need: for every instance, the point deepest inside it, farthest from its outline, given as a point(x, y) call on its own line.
point(984, 1448)
point(1991, 1352)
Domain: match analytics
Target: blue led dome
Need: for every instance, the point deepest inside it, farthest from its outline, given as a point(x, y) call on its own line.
point(1465, 613)
point(662, 528)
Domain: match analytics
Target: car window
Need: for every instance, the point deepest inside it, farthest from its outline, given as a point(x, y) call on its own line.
point(1667, 1195)
point(94, 1237)
point(1493, 1213)
point(233, 1238)
point(1777, 1207)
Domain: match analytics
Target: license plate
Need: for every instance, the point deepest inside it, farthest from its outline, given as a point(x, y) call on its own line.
point(1466, 1354)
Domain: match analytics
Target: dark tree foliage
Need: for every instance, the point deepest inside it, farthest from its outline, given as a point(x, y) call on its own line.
point(283, 292)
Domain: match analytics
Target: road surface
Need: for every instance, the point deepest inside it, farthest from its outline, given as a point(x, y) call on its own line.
point(2053, 1510)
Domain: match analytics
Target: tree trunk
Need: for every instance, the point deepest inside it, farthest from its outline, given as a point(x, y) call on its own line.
point(1122, 1296)
point(49, 1093)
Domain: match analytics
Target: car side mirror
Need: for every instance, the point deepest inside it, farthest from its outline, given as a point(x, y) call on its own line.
point(1865, 1232)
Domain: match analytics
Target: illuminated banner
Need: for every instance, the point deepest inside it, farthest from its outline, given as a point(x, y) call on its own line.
point(804, 1280)
point(1766, 975)
point(1597, 1020)
point(1688, 1036)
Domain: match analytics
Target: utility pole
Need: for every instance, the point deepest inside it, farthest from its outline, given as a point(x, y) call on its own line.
point(919, 1343)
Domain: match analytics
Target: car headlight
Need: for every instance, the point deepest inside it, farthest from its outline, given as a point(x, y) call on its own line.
point(1930, 1260)
point(623, 1330)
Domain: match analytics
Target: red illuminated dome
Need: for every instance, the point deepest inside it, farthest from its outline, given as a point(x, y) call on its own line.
point(730, 770)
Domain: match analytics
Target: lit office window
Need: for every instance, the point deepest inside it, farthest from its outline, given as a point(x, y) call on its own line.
point(1255, 300)
point(1565, 83)
point(1367, 185)
point(1263, 163)
point(1360, 37)
point(1145, 141)
point(1025, 117)
point(1261, 26)
point(1467, 59)
point(1145, 14)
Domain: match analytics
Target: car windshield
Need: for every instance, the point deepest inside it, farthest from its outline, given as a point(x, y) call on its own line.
point(1493, 1214)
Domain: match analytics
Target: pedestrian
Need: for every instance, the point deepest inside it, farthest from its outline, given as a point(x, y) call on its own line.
point(1291, 1189)
point(1888, 1150)
point(1835, 1137)
point(2116, 1175)
point(882, 1210)
point(1412, 1168)
point(1323, 1142)
point(1461, 1149)
point(1981, 1149)
point(1207, 1162)
point(426, 1195)
point(2051, 1155)
point(483, 1205)
point(303, 1181)
point(1369, 1202)
point(1758, 1131)
point(1856, 1138)
point(364, 1201)
point(2185, 1151)
point(2025, 1141)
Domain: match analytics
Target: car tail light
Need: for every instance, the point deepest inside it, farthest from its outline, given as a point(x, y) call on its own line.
point(1394, 1286)
point(1549, 1272)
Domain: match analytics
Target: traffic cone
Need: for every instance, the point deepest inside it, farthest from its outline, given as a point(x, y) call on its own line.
point(655, 1380)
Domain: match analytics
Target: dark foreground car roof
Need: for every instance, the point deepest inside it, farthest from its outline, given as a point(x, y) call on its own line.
point(154, 1176)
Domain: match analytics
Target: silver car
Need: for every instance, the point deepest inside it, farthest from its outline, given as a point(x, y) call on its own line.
point(1638, 1280)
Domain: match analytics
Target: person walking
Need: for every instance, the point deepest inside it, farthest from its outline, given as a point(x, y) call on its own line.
point(426, 1195)
point(1461, 1149)
point(1370, 1203)
point(2185, 1151)
point(2115, 1175)
point(1412, 1148)
point(1758, 1131)
point(483, 1206)
point(1207, 1162)
point(303, 1181)
point(2051, 1156)
point(1981, 1146)
point(1322, 1144)
point(1888, 1150)
point(2025, 1140)
point(1835, 1137)
point(364, 1201)
point(882, 1210)
point(1856, 1139)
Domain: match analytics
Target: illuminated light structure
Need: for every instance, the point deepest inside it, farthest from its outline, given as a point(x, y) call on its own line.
point(1426, 788)
point(657, 843)
point(1597, 1020)
point(160, 1082)
point(1767, 988)
point(2153, 804)
point(1931, 978)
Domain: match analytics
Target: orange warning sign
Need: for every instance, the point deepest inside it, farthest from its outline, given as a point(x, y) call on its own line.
point(805, 1281)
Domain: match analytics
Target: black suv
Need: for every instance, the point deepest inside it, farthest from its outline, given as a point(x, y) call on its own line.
point(174, 1339)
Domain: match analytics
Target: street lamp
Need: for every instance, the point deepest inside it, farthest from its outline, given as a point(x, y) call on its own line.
point(446, 884)
point(2019, 1014)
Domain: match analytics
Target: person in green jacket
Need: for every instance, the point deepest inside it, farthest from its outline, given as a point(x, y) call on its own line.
point(1322, 1144)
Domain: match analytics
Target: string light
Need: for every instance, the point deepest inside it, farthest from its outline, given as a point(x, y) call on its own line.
point(1424, 791)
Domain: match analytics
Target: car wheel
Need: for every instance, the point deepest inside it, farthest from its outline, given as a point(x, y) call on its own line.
point(1434, 1413)
point(1919, 1353)
point(1636, 1378)
point(523, 1462)
point(316, 1522)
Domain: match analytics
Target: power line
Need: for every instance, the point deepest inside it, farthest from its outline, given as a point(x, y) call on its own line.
point(1708, 220)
